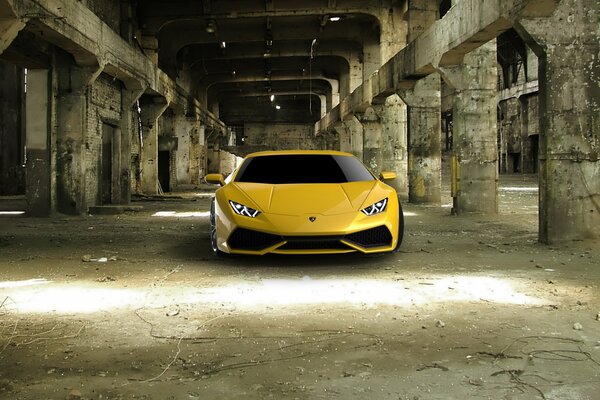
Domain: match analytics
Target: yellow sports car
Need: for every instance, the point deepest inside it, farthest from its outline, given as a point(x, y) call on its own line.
point(304, 202)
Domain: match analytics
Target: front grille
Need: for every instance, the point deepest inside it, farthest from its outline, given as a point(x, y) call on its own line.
point(374, 237)
point(313, 243)
point(246, 239)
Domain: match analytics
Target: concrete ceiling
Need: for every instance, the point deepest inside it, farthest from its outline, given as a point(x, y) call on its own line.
point(233, 51)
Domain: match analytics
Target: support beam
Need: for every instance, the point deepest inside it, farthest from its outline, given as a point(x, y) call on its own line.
point(569, 98)
point(475, 133)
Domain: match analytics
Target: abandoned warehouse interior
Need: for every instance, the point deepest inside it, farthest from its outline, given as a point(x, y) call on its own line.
point(112, 112)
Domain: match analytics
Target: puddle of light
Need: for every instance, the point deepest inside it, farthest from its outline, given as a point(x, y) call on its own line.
point(359, 292)
point(76, 299)
point(12, 212)
point(409, 214)
point(85, 298)
point(28, 282)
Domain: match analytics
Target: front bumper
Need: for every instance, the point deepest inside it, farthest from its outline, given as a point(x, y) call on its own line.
point(327, 234)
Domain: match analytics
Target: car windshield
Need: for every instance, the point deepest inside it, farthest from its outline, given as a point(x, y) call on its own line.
point(303, 168)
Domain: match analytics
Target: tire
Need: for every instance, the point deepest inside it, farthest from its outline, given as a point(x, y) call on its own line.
point(213, 231)
point(400, 227)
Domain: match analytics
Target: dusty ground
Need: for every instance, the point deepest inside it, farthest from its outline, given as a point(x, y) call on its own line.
point(472, 307)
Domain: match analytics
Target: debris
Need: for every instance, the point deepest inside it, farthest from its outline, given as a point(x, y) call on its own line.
point(577, 326)
point(173, 312)
point(74, 395)
point(598, 317)
point(103, 259)
point(434, 365)
point(365, 374)
point(113, 258)
point(476, 382)
point(106, 279)
point(539, 266)
point(86, 258)
point(439, 323)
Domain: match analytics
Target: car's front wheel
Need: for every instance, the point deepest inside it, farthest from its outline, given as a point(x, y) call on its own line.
point(213, 230)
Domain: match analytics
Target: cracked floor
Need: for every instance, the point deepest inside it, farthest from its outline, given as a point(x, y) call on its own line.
point(136, 306)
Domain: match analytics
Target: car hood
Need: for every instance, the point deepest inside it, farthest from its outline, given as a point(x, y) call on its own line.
point(295, 199)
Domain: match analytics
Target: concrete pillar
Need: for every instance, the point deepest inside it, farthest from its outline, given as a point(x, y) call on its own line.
point(392, 32)
point(372, 139)
point(184, 126)
point(355, 133)
point(152, 108)
point(128, 128)
point(475, 134)
point(424, 140)
point(356, 74)
point(371, 57)
point(198, 154)
point(393, 119)
point(38, 175)
point(569, 103)
point(343, 136)
point(71, 107)
point(325, 101)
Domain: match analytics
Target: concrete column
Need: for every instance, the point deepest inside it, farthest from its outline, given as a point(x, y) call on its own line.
point(343, 136)
point(424, 140)
point(371, 57)
point(129, 97)
point(198, 154)
point(71, 107)
point(393, 119)
point(569, 105)
point(184, 126)
point(37, 128)
point(355, 133)
point(356, 74)
point(372, 139)
point(393, 32)
point(152, 108)
point(475, 134)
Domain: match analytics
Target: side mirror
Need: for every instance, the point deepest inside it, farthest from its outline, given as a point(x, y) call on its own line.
point(387, 176)
point(216, 179)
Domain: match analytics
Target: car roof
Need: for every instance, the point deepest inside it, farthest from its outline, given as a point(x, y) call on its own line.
point(298, 152)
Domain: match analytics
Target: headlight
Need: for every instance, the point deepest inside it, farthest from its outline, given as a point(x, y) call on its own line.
point(241, 209)
point(376, 208)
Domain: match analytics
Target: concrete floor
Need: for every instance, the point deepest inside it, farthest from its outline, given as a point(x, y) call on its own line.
point(473, 307)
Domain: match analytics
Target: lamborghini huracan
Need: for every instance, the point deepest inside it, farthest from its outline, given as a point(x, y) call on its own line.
point(304, 202)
